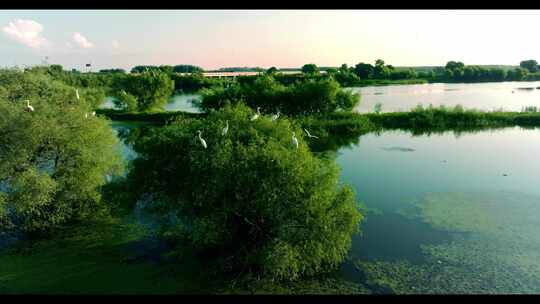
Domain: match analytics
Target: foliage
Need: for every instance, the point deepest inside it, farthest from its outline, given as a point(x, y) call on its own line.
point(151, 89)
point(302, 98)
point(530, 65)
point(54, 160)
point(310, 68)
point(295, 220)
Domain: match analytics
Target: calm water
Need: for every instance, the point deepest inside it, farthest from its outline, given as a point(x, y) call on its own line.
point(178, 102)
point(511, 96)
point(441, 205)
point(436, 199)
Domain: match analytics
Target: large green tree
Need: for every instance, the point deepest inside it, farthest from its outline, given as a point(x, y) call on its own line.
point(530, 65)
point(54, 158)
point(151, 89)
point(251, 199)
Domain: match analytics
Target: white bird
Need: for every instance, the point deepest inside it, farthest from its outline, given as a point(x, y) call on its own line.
point(93, 113)
point(275, 116)
point(225, 130)
point(256, 115)
point(203, 142)
point(309, 135)
point(85, 115)
point(294, 140)
point(29, 108)
point(77, 94)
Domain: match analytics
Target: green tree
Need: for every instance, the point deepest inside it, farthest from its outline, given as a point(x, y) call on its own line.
point(271, 71)
point(530, 65)
point(364, 70)
point(54, 159)
point(251, 199)
point(310, 69)
point(151, 89)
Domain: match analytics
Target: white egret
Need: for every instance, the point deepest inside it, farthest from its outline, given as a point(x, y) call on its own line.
point(226, 129)
point(93, 113)
point(309, 135)
point(77, 94)
point(256, 115)
point(85, 115)
point(294, 140)
point(29, 108)
point(203, 142)
point(275, 116)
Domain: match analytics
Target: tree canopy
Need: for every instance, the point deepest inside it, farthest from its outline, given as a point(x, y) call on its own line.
point(54, 159)
point(294, 220)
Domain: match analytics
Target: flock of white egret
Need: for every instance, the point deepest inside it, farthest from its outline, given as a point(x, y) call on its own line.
point(30, 108)
point(255, 117)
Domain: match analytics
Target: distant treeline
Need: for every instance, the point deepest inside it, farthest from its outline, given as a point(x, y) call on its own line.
point(189, 78)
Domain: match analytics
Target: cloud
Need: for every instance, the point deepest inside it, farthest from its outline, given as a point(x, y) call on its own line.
point(81, 41)
point(115, 44)
point(27, 32)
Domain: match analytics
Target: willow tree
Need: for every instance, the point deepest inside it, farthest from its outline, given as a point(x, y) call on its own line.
point(251, 199)
point(53, 160)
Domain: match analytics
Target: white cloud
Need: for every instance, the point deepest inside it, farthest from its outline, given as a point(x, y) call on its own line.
point(27, 32)
point(115, 44)
point(81, 41)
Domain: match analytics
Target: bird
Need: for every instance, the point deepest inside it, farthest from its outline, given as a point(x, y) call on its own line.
point(309, 135)
point(226, 129)
point(203, 142)
point(85, 115)
point(275, 116)
point(256, 115)
point(93, 113)
point(77, 94)
point(294, 140)
point(29, 108)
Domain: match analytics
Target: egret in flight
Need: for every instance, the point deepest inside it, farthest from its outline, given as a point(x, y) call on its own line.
point(226, 129)
point(275, 116)
point(256, 115)
point(203, 142)
point(309, 135)
point(29, 108)
point(294, 140)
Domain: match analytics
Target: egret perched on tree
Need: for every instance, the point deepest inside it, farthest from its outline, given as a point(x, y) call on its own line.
point(275, 116)
point(203, 142)
point(256, 115)
point(226, 129)
point(77, 94)
point(309, 135)
point(294, 140)
point(29, 108)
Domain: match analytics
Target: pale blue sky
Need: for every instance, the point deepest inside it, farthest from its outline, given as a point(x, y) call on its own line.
point(282, 38)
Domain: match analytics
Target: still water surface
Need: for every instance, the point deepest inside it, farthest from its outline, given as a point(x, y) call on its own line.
point(441, 205)
point(510, 96)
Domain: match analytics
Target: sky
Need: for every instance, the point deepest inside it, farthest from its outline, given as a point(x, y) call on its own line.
point(282, 38)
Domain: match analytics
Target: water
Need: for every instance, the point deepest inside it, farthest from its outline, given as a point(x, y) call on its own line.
point(178, 102)
point(510, 96)
point(445, 206)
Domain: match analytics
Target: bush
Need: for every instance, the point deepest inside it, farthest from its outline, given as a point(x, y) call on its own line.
point(54, 160)
point(250, 199)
